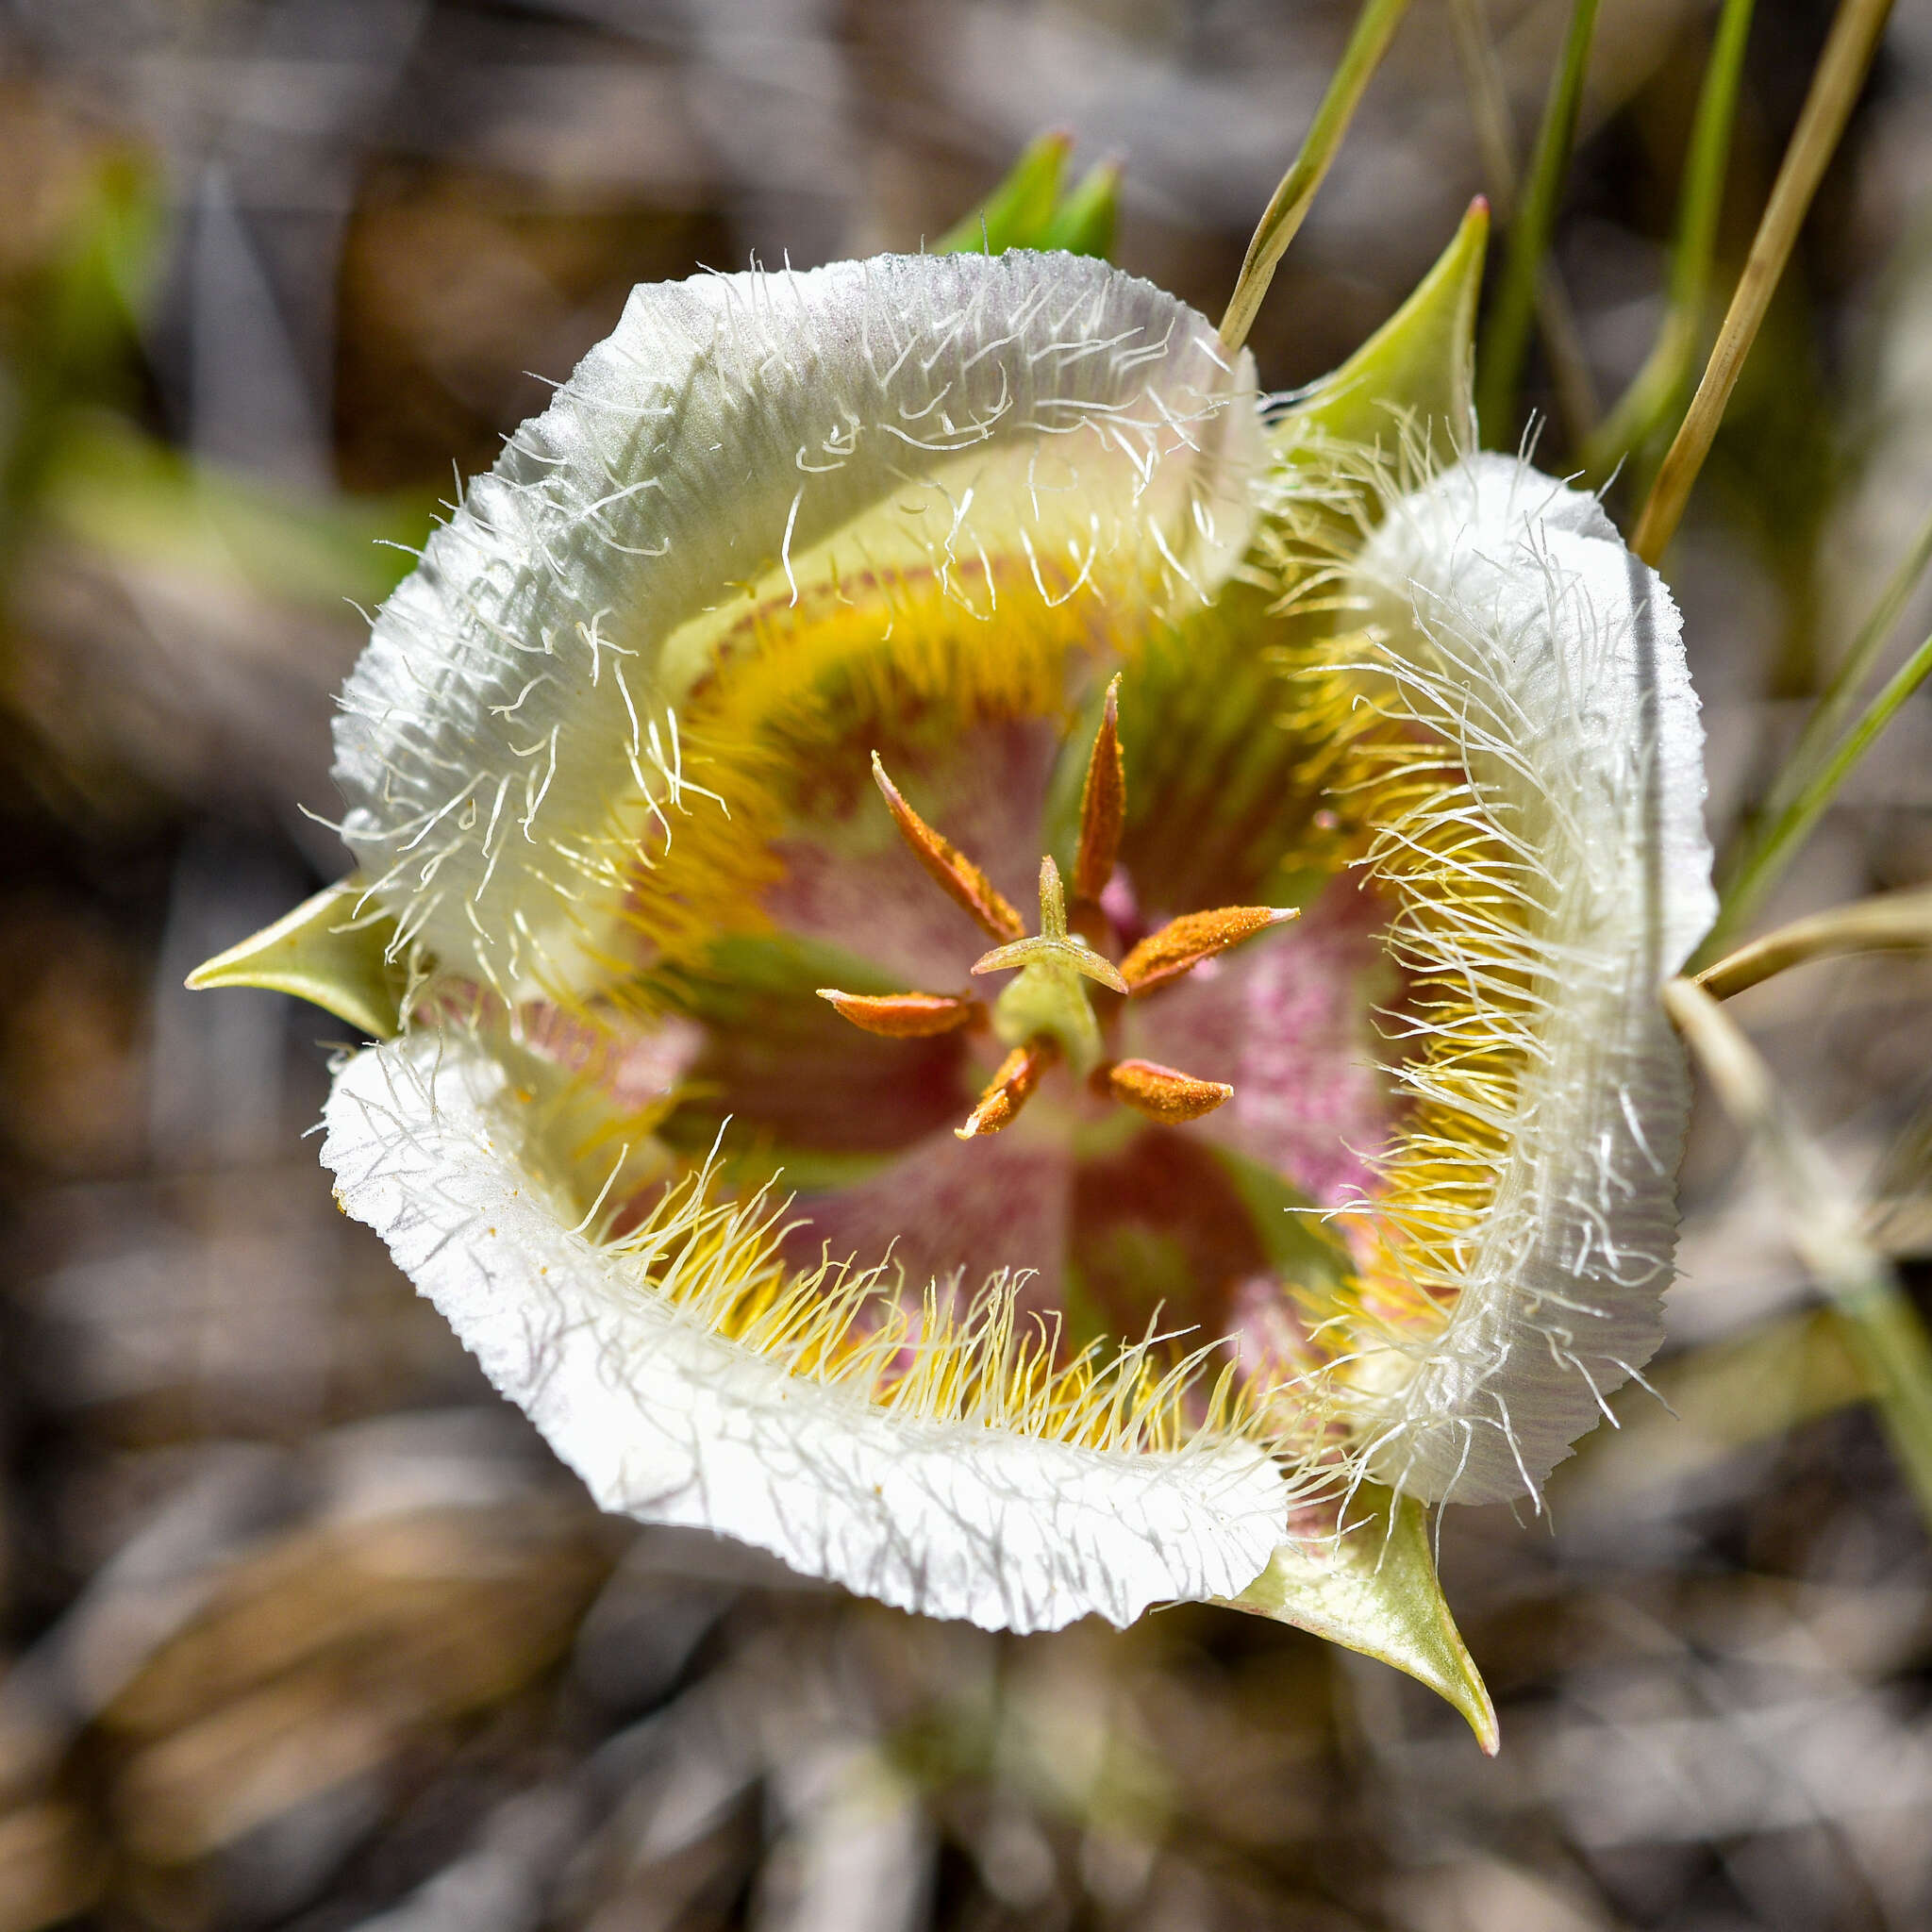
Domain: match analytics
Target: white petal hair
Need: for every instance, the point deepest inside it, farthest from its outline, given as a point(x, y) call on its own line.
point(1516, 629)
point(957, 1516)
point(509, 736)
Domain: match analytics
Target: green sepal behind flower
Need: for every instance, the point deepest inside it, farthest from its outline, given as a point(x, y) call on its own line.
point(326, 952)
point(1029, 211)
point(1086, 220)
point(1373, 1589)
point(1413, 377)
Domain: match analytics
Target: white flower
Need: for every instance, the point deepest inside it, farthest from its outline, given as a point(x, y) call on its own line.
point(778, 650)
point(507, 740)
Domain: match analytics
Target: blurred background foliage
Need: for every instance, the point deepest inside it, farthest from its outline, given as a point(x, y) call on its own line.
point(301, 1626)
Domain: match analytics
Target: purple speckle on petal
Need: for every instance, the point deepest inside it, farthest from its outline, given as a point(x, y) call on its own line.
point(948, 1208)
point(1288, 1020)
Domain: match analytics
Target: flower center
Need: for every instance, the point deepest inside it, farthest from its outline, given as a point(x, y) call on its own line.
point(1128, 1112)
point(1046, 1014)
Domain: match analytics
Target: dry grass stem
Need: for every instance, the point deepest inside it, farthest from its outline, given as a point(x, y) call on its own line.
point(1835, 87)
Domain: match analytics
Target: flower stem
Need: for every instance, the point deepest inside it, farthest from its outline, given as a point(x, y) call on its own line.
point(1374, 28)
point(1880, 1328)
point(1656, 391)
point(1529, 236)
point(1842, 69)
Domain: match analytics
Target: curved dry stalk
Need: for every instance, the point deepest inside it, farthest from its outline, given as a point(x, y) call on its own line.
point(1834, 86)
point(1889, 922)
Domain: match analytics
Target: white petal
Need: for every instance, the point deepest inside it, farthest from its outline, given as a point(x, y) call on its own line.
point(898, 415)
point(671, 1424)
point(1553, 659)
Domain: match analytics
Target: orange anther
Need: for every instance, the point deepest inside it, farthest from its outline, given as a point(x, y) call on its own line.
point(968, 886)
point(904, 1015)
point(1182, 944)
point(1162, 1093)
point(1103, 804)
point(1009, 1089)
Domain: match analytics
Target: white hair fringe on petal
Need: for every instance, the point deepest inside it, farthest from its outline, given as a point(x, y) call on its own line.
point(1513, 627)
point(507, 740)
point(670, 1422)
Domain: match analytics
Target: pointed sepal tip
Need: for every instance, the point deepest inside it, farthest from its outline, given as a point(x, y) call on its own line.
point(332, 951)
point(1372, 1587)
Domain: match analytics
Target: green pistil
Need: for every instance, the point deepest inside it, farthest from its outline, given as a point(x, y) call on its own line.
point(1048, 998)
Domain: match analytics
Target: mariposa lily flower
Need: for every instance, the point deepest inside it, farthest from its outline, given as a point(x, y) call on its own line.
point(1308, 1158)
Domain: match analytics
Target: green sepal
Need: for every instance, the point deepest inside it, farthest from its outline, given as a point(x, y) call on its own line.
point(1027, 210)
point(1414, 375)
point(1373, 1589)
point(1086, 221)
point(327, 952)
point(1019, 211)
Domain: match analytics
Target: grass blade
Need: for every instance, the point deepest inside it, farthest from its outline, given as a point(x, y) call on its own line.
point(1748, 878)
point(1375, 27)
point(1489, 103)
point(1501, 366)
point(1842, 693)
point(1489, 109)
point(1786, 830)
point(1658, 391)
point(1835, 85)
point(1881, 1329)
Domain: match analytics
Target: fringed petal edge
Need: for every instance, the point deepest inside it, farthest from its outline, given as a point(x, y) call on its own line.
point(1518, 631)
point(669, 1423)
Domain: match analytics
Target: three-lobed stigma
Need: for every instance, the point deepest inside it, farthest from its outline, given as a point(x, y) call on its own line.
point(1045, 1015)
